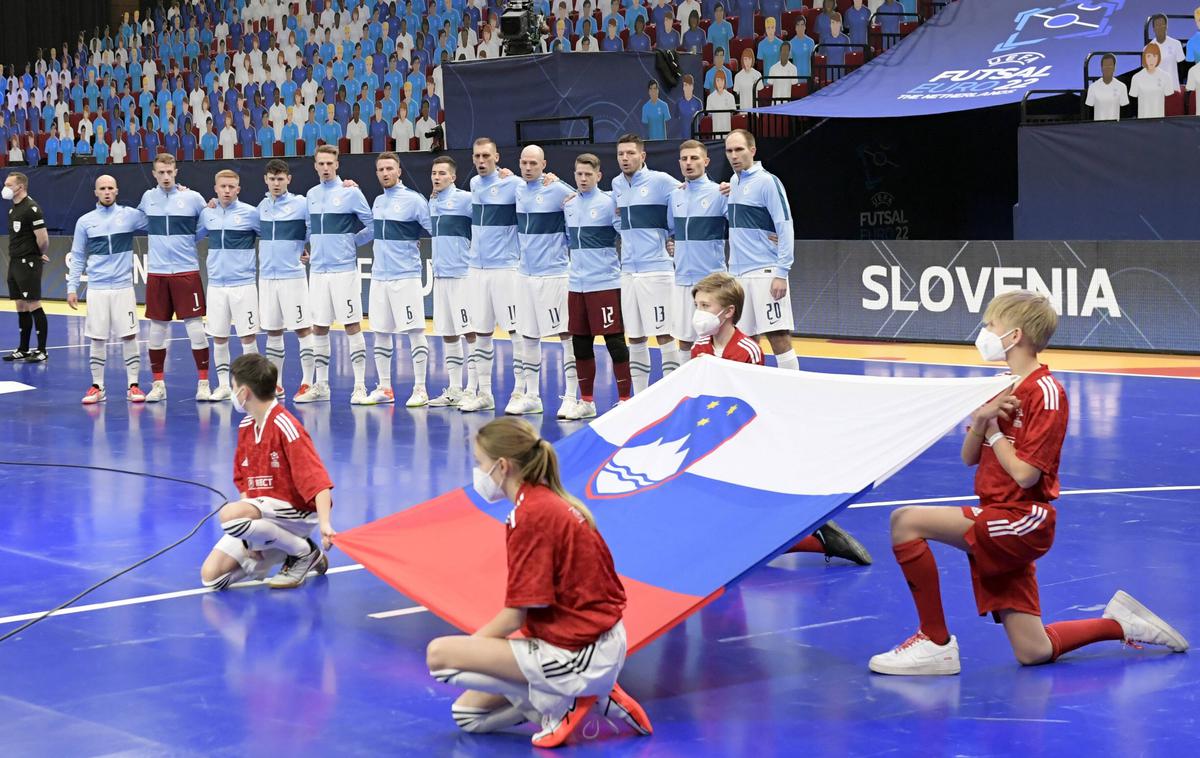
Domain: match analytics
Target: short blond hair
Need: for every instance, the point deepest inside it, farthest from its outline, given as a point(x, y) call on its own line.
point(328, 150)
point(228, 174)
point(1031, 312)
point(164, 158)
point(725, 289)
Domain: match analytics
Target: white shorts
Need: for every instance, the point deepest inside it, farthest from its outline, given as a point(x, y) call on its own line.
point(492, 299)
point(237, 306)
point(298, 522)
point(762, 314)
point(283, 304)
point(684, 305)
point(646, 303)
point(542, 306)
point(557, 676)
point(396, 305)
point(111, 313)
point(451, 312)
point(335, 297)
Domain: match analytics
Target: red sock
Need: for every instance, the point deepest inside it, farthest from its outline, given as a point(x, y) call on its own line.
point(201, 358)
point(586, 368)
point(157, 358)
point(624, 380)
point(809, 544)
point(1066, 636)
point(920, 570)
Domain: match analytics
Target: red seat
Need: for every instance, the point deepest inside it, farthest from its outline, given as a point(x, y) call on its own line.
point(732, 22)
point(799, 90)
point(624, 35)
point(737, 45)
point(790, 18)
point(277, 149)
point(739, 121)
point(819, 73)
point(414, 144)
point(74, 120)
point(764, 97)
point(704, 23)
point(854, 59)
point(652, 33)
point(907, 28)
point(1191, 103)
point(343, 146)
point(300, 147)
point(1173, 105)
point(706, 125)
point(237, 150)
point(708, 51)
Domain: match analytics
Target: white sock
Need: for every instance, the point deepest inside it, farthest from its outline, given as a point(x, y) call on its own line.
point(532, 348)
point(518, 362)
point(307, 361)
point(98, 357)
point(384, 347)
point(358, 357)
point(684, 355)
point(250, 348)
point(788, 360)
point(454, 363)
point(484, 721)
point(259, 533)
point(472, 368)
point(195, 333)
point(418, 347)
point(275, 354)
point(158, 335)
point(221, 362)
point(321, 357)
point(570, 373)
point(670, 358)
point(485, 353)
point(639, 365)
point(133, 361)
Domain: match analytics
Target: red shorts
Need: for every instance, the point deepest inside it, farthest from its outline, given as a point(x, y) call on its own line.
point(174, 296)
point(1005, 541)
point(594, 312)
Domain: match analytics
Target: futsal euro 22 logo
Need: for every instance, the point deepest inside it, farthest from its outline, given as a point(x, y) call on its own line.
point(1067, 20)
point(667, 448)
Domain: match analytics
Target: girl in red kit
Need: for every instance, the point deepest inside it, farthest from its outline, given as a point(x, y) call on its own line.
point(563, 595)
point(1015, 440)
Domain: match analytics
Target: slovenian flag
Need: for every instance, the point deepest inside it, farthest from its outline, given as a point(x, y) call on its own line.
point(706, 475)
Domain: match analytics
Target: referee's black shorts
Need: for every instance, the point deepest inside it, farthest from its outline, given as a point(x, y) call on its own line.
point(25, 279)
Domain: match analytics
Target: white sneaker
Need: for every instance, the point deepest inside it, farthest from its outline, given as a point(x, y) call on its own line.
point(1140, 625)
point(220, 393)
point(565, 409)
point(382, 396)
point(418, 399)
point(481, 402)
point(581, 410)
point(316, 393)
point(203, 391)
point(515, 403)
point(360, 396)
point(524, 405)
point(157, 393)
point(918, 656)
point(450, 397)
point(94, 395)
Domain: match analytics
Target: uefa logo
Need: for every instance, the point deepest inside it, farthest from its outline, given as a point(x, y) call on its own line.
point(1018, 59)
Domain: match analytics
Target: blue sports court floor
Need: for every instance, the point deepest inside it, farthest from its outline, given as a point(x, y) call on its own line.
point(777, 666)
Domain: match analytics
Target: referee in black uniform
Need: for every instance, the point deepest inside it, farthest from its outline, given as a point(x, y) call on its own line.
point(28, 242)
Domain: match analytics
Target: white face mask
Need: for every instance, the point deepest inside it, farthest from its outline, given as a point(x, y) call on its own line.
point(6, 193)
point(237, 401)
point(991, 345)
point(706, 324)
point(485, 486)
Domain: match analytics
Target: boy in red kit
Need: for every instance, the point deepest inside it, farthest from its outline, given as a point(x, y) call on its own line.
point(1015, 440)
point(284, 487)
point(719, 299)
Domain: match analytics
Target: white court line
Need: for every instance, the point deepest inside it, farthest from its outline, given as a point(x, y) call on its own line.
point(114, 342)
point(398, 612)
point(850, 620)
point(967, 498)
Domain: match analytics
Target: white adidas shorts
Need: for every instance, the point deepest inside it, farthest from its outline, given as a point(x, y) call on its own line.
point(492, 299)
point(283, 304)
point(336, 297)
point(111, 313)
point(451, 311)
point(557, 676)
point(761, 313)
point(298, 522)
point(542, 306)
point(684, 305)
point(396, 305)
point(236, 306)
point(646, 301)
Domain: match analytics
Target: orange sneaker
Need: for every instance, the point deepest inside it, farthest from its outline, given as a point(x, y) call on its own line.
point(555, 733)
point(621, 703)
point(135, 394)
point(94, 395)
point(300, 392)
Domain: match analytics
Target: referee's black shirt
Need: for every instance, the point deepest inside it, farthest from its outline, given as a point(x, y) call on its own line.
point(23, 218)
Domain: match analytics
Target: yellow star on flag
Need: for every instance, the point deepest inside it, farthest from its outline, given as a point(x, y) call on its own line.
point(732, 408)
point(702, 421)
point(713, 404)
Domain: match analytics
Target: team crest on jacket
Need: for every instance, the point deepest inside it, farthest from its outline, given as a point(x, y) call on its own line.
point(670, 446)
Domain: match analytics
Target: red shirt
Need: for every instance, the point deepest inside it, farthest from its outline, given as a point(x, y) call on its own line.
point(279, 461)
point(558, 561)
point(1037, 433)
point(741, 348)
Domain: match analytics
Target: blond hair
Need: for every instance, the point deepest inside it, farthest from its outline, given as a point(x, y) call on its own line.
point(228, 174)
point(1031, 312)
point(725, 290)
point(327, 149)
point(164, 158)
point(517, 440)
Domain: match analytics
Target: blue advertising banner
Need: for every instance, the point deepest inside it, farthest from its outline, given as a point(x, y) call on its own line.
point(981, 53)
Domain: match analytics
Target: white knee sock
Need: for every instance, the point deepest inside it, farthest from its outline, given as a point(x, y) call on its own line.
point(485, 353)
point(788, 360)
point(418, 347)
point(684, 355)
point(518, 363)
point(570, 373)
point(484, 721)
point(98, 356)
point(385, 346)
point(195, 333)
point(307, 360)
point(454, 363)
point(221, 362)
point(472, 368)
point(358, 357)
point(158, 335)
point(532, 348)
point(275, 354)
point(250, 348)
point(670, 358)
point(321, 357)
point(259, 533)
point(639, 366)
point(133, 361)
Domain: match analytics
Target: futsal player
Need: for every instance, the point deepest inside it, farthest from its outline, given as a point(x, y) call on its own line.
point(284, 487)
point(28, 243)
point(103, 248)
point(232, 228)
point(594, 286)
point(396, 298)
point(697, 220)
point(450, 217)
point(1015, 441)
point(173, 285)
point(563, 594)
point(334, 283)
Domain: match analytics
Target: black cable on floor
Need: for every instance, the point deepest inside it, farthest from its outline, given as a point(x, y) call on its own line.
point(126, 570)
